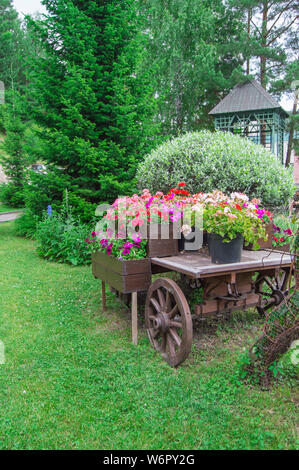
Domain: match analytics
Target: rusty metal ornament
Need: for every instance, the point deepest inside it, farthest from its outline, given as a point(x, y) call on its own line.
point(168, 321)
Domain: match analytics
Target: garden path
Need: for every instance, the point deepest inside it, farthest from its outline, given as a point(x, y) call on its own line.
point(8, 216)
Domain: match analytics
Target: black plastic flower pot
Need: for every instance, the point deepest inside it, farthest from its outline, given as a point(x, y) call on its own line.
point(225, 252)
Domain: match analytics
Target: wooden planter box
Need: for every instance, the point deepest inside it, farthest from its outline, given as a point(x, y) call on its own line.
point(126, 276)
point(285, 248)
point(160, 247)
point(264, 244)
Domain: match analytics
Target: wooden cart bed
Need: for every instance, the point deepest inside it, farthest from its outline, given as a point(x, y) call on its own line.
point(196, 265)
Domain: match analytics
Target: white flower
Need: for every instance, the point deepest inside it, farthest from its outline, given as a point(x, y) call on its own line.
point(186, 229)
point(239, 196)
point(198, 207)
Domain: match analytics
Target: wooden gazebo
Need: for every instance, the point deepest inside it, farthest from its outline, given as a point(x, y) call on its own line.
point(249, 110)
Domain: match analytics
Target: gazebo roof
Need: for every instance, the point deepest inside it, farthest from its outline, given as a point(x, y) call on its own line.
point(247, 96)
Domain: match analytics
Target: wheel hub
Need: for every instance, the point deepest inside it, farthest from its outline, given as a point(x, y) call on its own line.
point(161, 322)
point(277, 296)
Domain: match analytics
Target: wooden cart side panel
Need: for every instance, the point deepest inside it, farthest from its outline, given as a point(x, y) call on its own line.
point(160, 247)
point(117, 266)
point(123, 283)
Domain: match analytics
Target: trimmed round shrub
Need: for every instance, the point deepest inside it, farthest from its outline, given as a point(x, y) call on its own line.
point(217, 160)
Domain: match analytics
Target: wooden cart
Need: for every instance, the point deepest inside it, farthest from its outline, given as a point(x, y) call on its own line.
point(262, 279)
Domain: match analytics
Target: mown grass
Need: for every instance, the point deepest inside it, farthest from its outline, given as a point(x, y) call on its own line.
point(73, 380)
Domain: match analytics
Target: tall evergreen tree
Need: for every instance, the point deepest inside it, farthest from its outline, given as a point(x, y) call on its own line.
point(87, 94)
point(12, 156)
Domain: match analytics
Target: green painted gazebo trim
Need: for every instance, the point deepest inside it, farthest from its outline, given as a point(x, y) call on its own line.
point(263, 126)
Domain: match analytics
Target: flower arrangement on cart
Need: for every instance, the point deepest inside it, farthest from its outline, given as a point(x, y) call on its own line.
point(231, 223)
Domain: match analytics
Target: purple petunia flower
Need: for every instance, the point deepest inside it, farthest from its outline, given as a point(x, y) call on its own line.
point(104, 243)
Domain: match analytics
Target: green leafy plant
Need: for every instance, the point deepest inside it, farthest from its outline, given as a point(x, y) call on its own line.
point(61, 239)
point(25, 226)
point(217, 160)
point(233, 216)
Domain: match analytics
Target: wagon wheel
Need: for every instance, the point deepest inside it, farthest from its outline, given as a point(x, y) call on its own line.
point(168, 321)
point(273, 288)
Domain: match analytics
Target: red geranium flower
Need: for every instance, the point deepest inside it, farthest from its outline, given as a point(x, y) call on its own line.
point(238, 207)
point(181, 184)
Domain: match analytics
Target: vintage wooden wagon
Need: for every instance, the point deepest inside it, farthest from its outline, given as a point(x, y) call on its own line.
point(262, 279)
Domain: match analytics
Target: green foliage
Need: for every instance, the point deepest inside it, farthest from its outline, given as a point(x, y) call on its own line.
point(206, 161)
point(49, 189)
point(25, 226)
point(92, 105)
point(62, 239)
point(192, 53)
point(282, 371)
point(45, 190)
point(12, 155)
point(9, 33)
point(12, 195)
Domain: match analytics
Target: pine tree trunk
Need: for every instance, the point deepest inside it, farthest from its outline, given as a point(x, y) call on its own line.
point(249, 15)
point(263, 59)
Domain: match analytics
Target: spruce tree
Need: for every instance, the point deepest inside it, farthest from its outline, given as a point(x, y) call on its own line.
point(87, 95)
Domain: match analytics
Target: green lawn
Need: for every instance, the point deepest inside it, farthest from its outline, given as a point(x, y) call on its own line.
point(73, 380)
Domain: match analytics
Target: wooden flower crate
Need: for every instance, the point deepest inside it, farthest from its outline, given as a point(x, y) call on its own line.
point(126, 276)
point(264, 243)
point(159, 247)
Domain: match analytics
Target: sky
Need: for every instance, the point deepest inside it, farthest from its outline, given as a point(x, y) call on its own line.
point(26, 7)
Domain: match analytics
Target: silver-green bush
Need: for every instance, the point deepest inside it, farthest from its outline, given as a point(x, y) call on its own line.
point(217, 160)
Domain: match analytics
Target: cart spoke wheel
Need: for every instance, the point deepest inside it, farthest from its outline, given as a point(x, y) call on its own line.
point(273, 289)
point(168, 321)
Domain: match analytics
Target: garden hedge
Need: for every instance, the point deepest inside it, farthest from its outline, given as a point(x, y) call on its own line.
point(217, 160)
